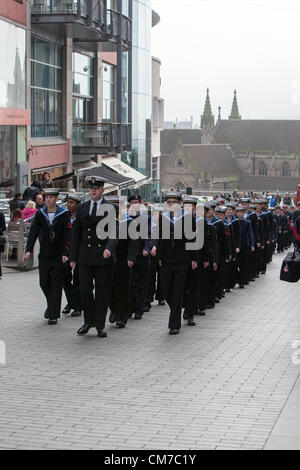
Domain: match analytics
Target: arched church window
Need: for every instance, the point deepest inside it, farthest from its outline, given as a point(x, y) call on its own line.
point(180, 163)
point(263, 170)
point(285, 170)
point(179, 186)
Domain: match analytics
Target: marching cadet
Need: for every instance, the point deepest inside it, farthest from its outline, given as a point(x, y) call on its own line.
point(173, 256)
point(71, 282)
point(252, 217)
point(278, 215)
point(141, 269)
point(232, 222)
point(194, 276)
point(247, 244)
point(260, 243)
point(207, 287)
point(95, 257)
point(52, 225)
point(267, 234)
point(224, 250)
point(126, 253)
point(154, 288)
point(270, 227)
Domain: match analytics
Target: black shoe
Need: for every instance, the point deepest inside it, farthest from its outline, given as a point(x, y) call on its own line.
point(46, 314)
point(138, 316)
point(191, 322)
point(147, 308)
point(161, 303)
point(84, 330)
point(252, 279)
point(67, 310)
point(263, 272)
point(112, 318)
point(52, 322)
point(228, 290)
point(121, 324)
point(174, 332)
point(242, 286)
point(210, 306)
point(201, 313)
point(102, 334)
point(76, 313)
point(217, 301)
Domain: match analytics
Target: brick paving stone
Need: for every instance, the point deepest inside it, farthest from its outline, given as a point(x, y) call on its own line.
point(220, 385)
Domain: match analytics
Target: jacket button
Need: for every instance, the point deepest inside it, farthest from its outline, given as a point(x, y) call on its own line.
point(89, 246)
point(89, 229)
point(89, 237)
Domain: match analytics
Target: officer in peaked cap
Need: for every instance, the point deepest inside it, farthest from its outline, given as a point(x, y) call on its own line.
point(95, 257)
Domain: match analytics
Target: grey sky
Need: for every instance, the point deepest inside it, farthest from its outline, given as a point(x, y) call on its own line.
point(227, 44)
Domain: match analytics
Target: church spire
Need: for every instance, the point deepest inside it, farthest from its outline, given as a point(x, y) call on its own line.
point(207, 118)
point(207, 122)
point(235, 109)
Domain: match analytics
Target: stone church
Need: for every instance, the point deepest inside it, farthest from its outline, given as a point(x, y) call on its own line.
point(232, 153)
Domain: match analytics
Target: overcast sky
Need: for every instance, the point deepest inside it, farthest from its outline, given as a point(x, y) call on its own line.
point(227, 44)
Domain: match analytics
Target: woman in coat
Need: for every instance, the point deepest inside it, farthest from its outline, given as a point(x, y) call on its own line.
point(2, 230)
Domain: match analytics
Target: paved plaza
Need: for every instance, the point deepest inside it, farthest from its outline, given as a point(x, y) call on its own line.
point(228, 383)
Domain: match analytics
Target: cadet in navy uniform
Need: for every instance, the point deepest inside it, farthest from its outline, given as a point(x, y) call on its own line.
point(95, 258)
point(141, 270)
point(126, 252)
point(247, 245)
point(252, 217)
point(235, 236)
point(52, 225)
point(174, 258)
point(224, 250)
point(194, 276)
point(71, 282)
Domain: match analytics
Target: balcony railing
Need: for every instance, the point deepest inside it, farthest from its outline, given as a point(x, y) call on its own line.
point(103, 137)
point(90, 12)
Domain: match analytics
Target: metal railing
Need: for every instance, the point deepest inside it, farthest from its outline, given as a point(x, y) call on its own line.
point(104, 135)
point(93, 10)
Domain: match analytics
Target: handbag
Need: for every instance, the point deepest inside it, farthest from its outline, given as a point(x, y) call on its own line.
point(2, 239)
point(290, 269)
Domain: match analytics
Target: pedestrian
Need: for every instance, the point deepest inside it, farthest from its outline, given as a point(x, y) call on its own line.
point(39, 202)
point(32, 191)
point(16, 203)
point(52, 223)
point(95, 257)
point(2, 238)
point(29, 210)
point(71, 279)
point(174, 258)
point(247, 246)
point(46, 180)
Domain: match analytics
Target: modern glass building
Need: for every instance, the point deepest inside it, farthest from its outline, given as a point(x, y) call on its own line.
point(140, 157)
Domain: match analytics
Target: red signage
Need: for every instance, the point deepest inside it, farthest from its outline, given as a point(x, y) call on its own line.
point(14, 117)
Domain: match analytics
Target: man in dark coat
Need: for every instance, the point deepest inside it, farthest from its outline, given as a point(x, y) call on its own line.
point(16, 203)
point(247, 245)
point(32, 191)
point(52, 225)
point(2, 245)
point(95, 256)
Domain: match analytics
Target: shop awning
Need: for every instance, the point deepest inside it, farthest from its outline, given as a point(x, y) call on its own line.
point(127, 171)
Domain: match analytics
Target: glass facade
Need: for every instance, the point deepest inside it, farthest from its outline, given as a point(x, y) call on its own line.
point(140, 157)
point(8, 156)
point(46, 88)
point(108, 93)
point(13, 66)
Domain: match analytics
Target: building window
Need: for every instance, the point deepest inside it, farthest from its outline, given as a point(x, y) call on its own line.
point(108, 93)
point(13, 66)
point(285, 170)
point(263, 170)
point(180, 163)
point(83, 75)
point(46, 88)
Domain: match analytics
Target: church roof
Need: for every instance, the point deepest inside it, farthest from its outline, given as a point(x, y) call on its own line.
point(216, 160)
point(169, 139)
point(259, 135)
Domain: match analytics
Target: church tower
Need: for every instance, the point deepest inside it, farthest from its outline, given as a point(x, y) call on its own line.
point(235, 109)
point(207, 123)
